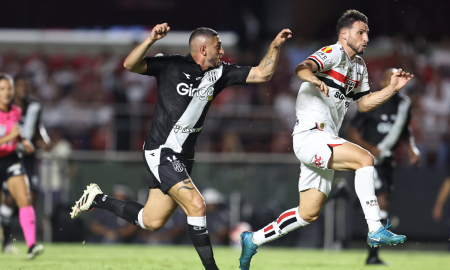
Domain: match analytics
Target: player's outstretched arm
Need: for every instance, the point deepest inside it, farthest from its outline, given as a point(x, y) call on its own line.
point(413, 151)
point(135, 60)
point(305, 72)
point(264, 71)
point(374, 100)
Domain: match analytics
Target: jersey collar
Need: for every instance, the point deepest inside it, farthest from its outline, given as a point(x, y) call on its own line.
point(190, 58)
point(338, 43)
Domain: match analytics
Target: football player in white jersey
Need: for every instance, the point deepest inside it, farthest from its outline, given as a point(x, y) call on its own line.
point(332, 77)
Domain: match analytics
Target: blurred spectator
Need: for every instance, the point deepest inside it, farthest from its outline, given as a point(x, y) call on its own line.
point(217, 217)
point(55, 166)
point(173, 232)
point(100, 106)
point(436, 106)
point(108, 228)
point(231, 143)
point(438, 208)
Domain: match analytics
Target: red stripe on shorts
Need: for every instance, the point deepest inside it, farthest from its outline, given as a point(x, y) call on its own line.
point(334, 145)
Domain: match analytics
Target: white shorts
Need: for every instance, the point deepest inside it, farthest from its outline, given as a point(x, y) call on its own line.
point(314, 149)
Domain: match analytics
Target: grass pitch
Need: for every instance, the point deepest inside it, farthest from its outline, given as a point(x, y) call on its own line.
point(140, 257)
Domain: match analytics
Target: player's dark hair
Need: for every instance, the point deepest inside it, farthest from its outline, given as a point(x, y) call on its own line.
point(348, 18)
point(202, 31)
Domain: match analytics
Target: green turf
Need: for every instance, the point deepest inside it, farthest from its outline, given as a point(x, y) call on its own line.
point(137, 257)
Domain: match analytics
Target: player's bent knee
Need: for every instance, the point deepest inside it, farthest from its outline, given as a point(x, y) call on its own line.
point(154, 225)
point(196, 207)
point(366, 160)
point(311, 218)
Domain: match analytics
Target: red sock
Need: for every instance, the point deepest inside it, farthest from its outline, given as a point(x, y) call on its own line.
point(27, 219)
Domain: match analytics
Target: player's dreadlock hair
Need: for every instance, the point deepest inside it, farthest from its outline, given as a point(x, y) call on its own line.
point(202, 31)
point(348, 18)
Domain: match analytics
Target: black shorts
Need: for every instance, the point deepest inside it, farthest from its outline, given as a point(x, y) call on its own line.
point(167, 167)
point(29, 162)
point(10, 166)
point(384, 178)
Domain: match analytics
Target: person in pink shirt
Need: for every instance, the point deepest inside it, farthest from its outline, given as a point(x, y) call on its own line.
point(11, 168)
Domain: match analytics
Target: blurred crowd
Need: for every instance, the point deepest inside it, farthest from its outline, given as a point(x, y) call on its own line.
point(108, 228)
point(98, 105)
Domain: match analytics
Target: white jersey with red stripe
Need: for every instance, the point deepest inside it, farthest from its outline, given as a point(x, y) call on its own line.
point(347, 81)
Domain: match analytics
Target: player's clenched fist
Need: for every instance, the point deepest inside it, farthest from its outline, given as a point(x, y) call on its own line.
point(282, 37)
point(159, 31)
point(321, 86)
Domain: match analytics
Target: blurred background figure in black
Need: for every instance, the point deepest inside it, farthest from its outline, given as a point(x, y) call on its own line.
point(217, 216)
point(108, 228)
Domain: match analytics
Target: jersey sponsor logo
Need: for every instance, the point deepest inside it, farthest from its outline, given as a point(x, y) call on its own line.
point(384, 127)
point(372, 202)
point(341, 96)
point(322, 55)
point(178, 128)
point(327, 49)
point(203, 94)
point(187, 75)
point(177, 165)
point(318, 161)
point(212, 76)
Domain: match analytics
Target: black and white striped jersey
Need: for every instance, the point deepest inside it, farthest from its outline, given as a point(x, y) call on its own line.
point(30, 123)
point(386, 125)
point(185, 93)
point(31, 115)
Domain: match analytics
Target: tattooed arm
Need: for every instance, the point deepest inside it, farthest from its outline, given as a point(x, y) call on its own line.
point(264, 71)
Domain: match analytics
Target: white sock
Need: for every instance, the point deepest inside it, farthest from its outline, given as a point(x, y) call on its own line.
point(287, 222)
point(383, 214)
point(197, 221)
point(140, 221)
point(365, 189)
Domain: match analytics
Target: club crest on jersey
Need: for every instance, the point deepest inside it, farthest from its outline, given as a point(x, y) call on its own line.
point(322, 125)
point(327, 50)
point(211, 76)
point(350, 85)
point(177, 165)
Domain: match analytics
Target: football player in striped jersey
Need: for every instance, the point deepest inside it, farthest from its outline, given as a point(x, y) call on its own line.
point(332, 77)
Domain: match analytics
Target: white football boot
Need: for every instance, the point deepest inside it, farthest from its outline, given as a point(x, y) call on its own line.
point(34, 251)
point(85, 202)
